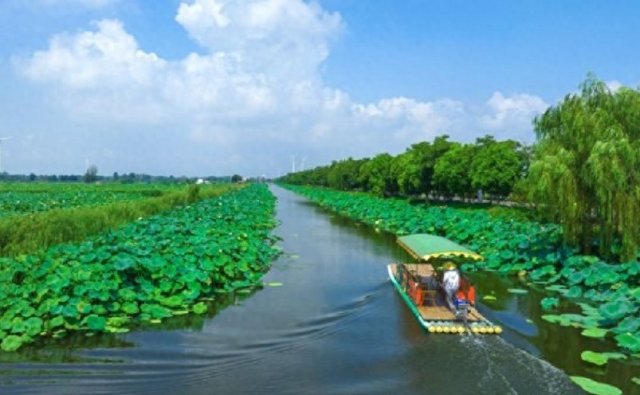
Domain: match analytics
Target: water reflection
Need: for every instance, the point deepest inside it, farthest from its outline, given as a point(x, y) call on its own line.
point(335, 326)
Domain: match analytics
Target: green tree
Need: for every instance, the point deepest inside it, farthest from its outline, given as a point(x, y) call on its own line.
point(91, 175)
point(376, 175)
point(345, 174)
point(451, 172)
point(585, 171)
point(496, 167)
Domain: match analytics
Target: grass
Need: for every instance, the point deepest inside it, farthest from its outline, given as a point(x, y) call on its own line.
point(38, 231)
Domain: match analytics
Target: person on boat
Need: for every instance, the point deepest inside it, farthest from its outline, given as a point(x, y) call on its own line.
point(451, 283)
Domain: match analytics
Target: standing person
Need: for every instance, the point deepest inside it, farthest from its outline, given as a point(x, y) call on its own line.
point(451, 283)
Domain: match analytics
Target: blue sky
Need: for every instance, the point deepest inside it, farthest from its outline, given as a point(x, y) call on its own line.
point(204, 87)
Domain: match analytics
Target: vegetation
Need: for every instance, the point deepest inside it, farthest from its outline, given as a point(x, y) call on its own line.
point(583, 172)
point(586, 168)
point(29, 198)
point(40, 230)
point(441, 168)
point(533, 250)
point(151, 269)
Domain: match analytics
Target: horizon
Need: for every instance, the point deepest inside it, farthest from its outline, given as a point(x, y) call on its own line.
point(218, 87)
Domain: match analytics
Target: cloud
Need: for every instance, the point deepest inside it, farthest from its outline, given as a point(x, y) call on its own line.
point(512, 113)
point(254, 91)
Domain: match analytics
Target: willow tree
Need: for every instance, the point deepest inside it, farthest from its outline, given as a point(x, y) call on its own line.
point(586, 168)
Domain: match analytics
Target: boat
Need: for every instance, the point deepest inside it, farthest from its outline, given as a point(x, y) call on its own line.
point(420, 286)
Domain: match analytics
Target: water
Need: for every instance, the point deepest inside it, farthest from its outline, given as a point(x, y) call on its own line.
point(335, 326)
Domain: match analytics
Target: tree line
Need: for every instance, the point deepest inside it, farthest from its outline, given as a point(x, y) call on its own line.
point(582, 172)
point(441, 168)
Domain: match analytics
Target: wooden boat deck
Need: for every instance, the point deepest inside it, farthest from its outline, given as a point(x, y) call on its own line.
point(437, 310)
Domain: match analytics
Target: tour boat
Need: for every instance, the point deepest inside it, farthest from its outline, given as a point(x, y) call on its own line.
point(420, 286)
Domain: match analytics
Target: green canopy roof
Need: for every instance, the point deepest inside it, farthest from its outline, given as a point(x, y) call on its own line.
point(425, 246)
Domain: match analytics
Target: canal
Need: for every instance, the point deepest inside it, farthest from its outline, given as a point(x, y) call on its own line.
point(328, 322)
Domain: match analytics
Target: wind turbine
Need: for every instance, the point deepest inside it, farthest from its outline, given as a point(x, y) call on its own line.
point(302, 163)
point(1, 140)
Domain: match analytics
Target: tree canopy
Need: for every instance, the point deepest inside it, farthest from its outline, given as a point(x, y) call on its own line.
point(586, 168)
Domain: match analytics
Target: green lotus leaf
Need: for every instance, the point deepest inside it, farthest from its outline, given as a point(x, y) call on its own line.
point(200, 308)
point(600, 359)
point(616, 310)
point(130, 308)
point(96, 323)
point(84, 307)
point(56, 322)
point(628, 324)
point(123, 263)
point(595, 387)
point(573, 292)
point(549, 303)
point(636, 380)
point(155, 311)
point(127, 294)
point(114, 329)
point(517, 291)
point(173, 301)
point(11, 343)
point(117, 321)
point(489, 298)
point(33, 326)
point(594, 332)
point(629, 341)
point(556, 288)
point(594, 358)
point(99, 310)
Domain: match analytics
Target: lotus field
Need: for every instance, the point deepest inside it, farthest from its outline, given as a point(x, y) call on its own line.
point(148, 270)
point(20, 198)
point(608, 295)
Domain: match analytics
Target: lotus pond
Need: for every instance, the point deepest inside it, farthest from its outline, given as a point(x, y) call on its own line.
point(157, 267)
point(21, 198)
point(601, 299)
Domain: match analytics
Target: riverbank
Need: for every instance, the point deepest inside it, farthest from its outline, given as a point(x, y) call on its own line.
point(604, 292)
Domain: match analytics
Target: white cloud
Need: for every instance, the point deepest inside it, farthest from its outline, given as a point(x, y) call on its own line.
point(614, 85)
point(512, 113)
point(254, 92)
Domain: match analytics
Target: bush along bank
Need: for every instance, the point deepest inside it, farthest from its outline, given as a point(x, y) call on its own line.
point(149, 270)
point(608, 294)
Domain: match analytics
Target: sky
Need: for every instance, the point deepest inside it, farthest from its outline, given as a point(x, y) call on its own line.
point(254, 87)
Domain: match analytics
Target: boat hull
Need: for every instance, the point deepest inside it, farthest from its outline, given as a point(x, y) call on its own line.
point(439, 319)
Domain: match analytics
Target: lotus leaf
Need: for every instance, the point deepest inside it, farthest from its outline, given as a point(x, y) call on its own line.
point(130, 308)
point(11, 343)
point(96, 323)
point(33, 326)
point(629, 341)
point(628, 324)
point(616, 310)
point(573, 292)
point(595, 387)
point(594, 332)
point(600, 359)
point(200, 308)
point(517, 291)
point(489, 298)
point(636, 380)
point(549, 303)
point(123, 263)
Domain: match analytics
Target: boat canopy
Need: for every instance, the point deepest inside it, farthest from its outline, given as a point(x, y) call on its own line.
point(425, 246)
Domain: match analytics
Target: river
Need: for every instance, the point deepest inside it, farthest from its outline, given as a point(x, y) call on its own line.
point(329, 323)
